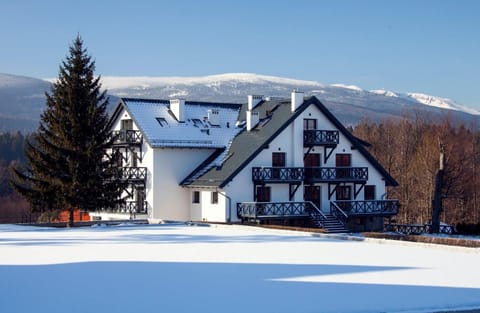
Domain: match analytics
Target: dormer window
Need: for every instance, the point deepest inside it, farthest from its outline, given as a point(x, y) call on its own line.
point(197, 122)
point(162, 121)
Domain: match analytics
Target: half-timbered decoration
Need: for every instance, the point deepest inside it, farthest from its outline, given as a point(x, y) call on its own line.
point(271, 160)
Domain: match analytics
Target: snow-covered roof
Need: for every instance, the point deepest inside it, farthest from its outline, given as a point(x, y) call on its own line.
point(162, 129)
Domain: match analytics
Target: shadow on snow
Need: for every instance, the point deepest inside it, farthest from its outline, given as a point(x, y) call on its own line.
point(209, 287)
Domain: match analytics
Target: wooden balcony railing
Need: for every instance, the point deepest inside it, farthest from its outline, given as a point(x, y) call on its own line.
point(309, 174)
point(368, 207)
point(129, 136)
point(320, 138)
point(132, 207)
point(132, 173)
point(278, 174)
point(340, 174)
point(417, 229)
point(259, 210)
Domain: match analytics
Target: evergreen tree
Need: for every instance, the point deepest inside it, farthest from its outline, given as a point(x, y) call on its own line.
point(67, 168)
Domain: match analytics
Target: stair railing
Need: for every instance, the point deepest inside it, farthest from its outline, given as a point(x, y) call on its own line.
point(338, 213)
point(316, 213)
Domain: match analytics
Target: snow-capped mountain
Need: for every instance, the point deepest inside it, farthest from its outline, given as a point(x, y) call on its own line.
point(22, 98)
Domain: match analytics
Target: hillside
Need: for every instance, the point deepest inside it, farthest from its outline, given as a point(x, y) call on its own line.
point(22, 98)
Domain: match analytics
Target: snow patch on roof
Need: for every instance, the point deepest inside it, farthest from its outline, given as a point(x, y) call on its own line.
point(195, 132)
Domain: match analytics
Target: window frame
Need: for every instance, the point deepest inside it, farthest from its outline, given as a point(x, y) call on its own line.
point(162, 121)
point(214, 197)
point(279, 159)
point(343, 158)
point(308, 123)
point(196, 197)
point(369, 192)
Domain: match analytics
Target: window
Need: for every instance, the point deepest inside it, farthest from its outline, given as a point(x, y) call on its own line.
point(311, 160)
point(369, 193)
point(343, 159)
point(196, 197)
point(214, 198)
point(197, 122)
point(278, 159)
point(309, 124)
point(126, 124)
point(162, 121)
point(263, 194)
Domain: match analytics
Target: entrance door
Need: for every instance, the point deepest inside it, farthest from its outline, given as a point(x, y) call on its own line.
point(312, 193)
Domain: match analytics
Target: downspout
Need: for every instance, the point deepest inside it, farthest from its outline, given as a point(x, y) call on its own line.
point(229, 215)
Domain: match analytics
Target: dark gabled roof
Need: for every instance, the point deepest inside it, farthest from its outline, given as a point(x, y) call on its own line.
point(275, 116)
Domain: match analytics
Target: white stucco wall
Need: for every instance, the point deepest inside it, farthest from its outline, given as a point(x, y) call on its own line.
point(170, 167)
point(206, 210)
point(290, 141)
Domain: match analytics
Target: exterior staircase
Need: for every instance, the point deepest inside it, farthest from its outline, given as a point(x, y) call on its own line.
point(327, 221)
point(332, 225)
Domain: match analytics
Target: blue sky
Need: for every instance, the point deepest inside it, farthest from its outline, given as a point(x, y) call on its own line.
point(401, 45)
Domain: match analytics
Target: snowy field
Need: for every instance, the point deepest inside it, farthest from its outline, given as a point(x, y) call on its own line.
point(178, 268)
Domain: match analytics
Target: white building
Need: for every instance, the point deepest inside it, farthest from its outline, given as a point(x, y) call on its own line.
point(269, 161)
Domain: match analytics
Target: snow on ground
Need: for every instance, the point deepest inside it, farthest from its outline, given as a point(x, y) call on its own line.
point(179, 268)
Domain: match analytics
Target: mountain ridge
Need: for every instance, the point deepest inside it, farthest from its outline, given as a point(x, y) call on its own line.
point(22, 98)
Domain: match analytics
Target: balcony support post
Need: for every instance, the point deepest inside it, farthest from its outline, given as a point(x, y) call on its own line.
point(331, 191)
point(292, 192)
point(327, 152)
point(357, 190)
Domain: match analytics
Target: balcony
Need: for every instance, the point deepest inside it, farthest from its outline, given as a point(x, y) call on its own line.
point(309, 174)
point(271, 210)
point(132, 207)
point(127, 137)
point(132, 174)
point(366, 207)
point(320, 138)
point(278, 174)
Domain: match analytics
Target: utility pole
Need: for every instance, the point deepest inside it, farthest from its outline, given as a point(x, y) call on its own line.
point(437, 207)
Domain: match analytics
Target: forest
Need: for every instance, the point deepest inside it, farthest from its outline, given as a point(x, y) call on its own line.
point(408, 148)
point(13, 208)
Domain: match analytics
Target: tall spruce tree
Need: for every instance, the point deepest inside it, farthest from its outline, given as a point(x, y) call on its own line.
point(67, 168)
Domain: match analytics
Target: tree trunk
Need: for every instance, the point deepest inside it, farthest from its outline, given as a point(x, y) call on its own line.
point(70, 218)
